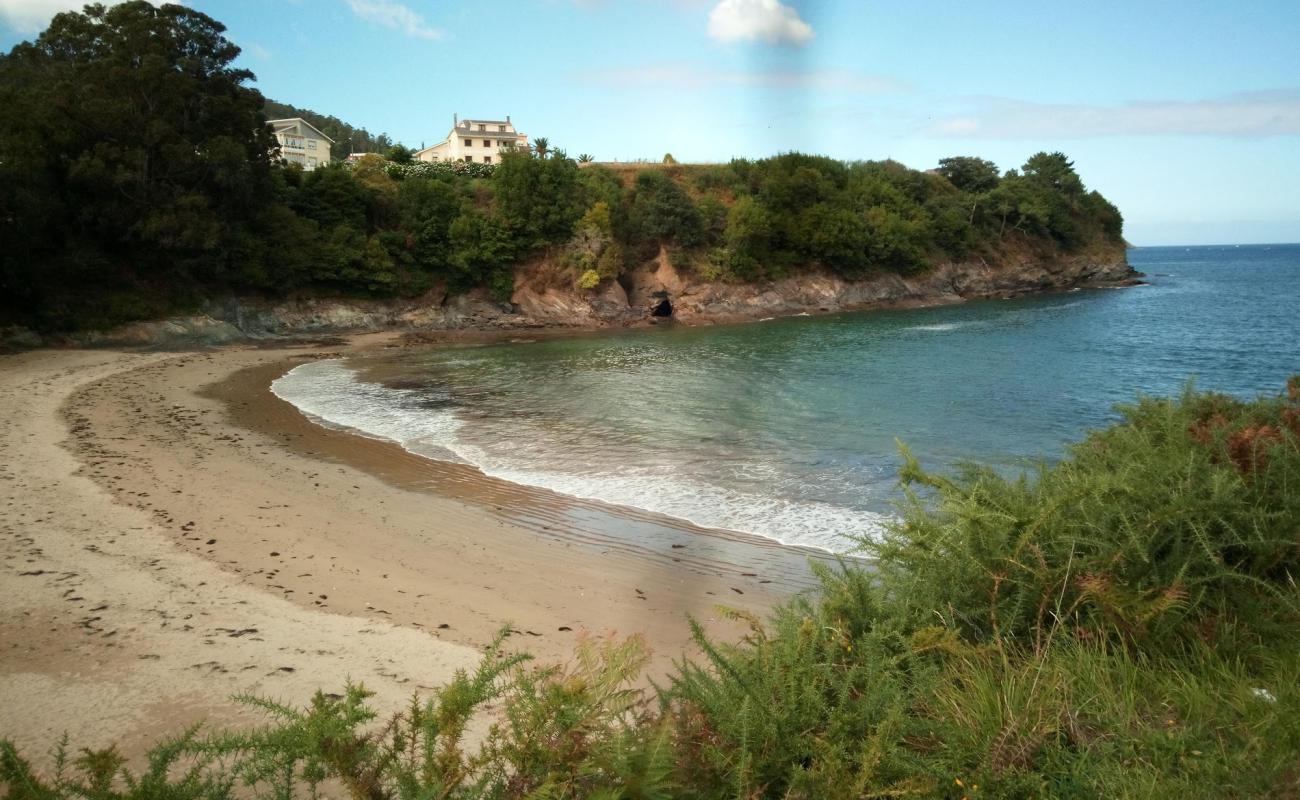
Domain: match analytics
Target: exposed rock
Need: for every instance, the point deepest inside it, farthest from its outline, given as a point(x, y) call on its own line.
point(655, 287)
point(16, 337)
point(174, 332)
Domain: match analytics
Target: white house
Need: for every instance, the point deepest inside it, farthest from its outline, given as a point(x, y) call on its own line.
point(301, 143)
point(477, 140)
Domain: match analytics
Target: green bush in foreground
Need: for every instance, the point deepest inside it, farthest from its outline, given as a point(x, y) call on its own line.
point(1123, 624)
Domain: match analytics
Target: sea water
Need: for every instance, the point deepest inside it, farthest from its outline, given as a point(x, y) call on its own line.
point(789, 428)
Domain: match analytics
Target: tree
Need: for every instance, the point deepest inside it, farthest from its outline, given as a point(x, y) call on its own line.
point(839, 238)
point(1022, 203)
point(1105, 214)
point(749, 229)
point(1055, 171)
point(793, 181)
point(481, 250)
point(542, 145)
point(597, 183)
point(333, 196)
point(537, 198)
point(426, 209)
point(130, 150)
point(969, 174)
point(747, 240)
point(585, 158)
point(893, 241)
point(595, 229)
point(660, 212)
point(399, 154)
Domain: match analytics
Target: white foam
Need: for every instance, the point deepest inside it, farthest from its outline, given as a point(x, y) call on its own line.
point(944, 326)
point(330, 393)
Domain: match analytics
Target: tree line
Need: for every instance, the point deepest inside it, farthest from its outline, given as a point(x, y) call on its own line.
point(138, 176)
point(347, 139)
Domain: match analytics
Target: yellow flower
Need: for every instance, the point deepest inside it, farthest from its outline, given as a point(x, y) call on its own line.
point(958, 781)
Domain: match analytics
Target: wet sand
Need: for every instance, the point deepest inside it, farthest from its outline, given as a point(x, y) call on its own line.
point(172, 533)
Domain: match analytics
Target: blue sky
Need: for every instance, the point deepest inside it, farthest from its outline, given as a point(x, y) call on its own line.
point(1186, 114)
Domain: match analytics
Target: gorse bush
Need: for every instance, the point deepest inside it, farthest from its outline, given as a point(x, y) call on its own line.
point(1180, 522)
point(1124, 623)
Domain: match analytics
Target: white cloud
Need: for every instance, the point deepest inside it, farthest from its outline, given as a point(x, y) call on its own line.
point(771, 21)
point(395, 16)
point(1252, 114)
point(33, 16)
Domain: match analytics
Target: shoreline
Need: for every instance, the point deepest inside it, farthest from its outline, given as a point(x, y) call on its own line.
point(210, 528)
point(540, 310)
point(325, 537)
point(547, 555)
point(532, 493)
point(595, 523)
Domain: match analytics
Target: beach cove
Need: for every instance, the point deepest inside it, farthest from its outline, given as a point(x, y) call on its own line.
point(174, 533)
point(161, 556)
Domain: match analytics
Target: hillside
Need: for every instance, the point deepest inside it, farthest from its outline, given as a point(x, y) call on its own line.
point(347, 139)
point(117, 210)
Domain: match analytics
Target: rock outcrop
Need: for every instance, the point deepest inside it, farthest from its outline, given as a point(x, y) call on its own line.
point(647, 288)
point(640, 296)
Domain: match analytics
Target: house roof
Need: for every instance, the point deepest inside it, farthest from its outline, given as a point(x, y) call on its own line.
point(281, 125)
point(467, 134)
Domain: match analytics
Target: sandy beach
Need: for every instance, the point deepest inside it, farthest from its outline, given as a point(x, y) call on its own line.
point(172, 534)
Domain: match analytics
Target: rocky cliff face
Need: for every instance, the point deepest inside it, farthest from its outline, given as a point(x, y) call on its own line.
point(652, 292)
point(647, 288)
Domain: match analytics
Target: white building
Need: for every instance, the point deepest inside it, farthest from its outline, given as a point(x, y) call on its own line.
point(477, 140)
point(301, 143)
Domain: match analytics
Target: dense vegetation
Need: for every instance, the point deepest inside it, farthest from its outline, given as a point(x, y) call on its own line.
point(1125, 623)
point(137, 176)
point(347, 139)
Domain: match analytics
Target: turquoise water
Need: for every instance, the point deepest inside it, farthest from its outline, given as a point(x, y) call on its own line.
point(787, 428)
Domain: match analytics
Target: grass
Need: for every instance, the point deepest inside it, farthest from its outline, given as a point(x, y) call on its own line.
point(1124, 623)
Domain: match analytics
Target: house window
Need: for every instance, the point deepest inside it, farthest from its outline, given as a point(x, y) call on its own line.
point(487, 142)
point(311, 144)
point(501, 129)
point(482, 127)
point(311, 162)
point(469, 142)
point(469, 158)
point(487, 159)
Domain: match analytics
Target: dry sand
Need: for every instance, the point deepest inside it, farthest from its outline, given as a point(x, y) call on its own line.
point(172, 534)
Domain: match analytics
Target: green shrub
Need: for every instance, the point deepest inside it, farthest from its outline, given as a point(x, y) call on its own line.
point(1178, 523)
point(660, 213)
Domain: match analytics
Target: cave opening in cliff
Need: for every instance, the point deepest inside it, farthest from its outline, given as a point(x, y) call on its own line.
point(662, 308)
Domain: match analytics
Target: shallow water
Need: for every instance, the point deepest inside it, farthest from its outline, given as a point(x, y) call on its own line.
point(786, 428)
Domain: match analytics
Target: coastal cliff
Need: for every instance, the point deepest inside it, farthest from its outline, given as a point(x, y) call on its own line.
point(656, 291)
